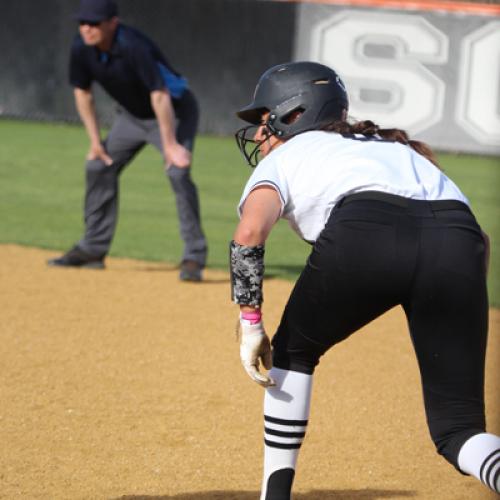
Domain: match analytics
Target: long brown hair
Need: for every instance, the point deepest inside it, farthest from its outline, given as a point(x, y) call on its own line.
point(370, 129)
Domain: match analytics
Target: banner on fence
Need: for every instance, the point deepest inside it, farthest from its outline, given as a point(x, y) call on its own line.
point(434, 72)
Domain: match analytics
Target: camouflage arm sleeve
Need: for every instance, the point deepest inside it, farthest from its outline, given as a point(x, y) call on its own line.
point(247, 272)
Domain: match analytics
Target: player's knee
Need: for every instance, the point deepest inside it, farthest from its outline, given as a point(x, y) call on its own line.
point(177, 173)
point(292, 352)
point(96, 167)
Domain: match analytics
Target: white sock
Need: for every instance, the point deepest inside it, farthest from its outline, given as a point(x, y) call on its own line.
point(286, 412)
point(480, 457)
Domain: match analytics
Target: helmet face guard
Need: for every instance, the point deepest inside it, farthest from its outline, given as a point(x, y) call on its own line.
point(248, 146)
point(299, 97)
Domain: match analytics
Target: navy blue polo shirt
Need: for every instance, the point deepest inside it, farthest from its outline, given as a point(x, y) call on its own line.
point(129, 72)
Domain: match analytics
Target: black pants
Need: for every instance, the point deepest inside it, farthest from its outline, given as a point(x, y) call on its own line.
point(378, 251)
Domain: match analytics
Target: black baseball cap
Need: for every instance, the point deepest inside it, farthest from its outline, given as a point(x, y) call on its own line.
point(96, 10)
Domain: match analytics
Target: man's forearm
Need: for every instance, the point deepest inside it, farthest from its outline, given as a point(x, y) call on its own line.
point(164, 111)
point(85, 106)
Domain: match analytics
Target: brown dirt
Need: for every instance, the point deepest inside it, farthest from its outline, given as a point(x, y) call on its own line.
point(126, 383)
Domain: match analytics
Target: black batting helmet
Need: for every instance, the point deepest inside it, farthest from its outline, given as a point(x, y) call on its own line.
point(312, 92)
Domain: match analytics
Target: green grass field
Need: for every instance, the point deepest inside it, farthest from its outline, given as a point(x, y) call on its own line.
point(42, 186)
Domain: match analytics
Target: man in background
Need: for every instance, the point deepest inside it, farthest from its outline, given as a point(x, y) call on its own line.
point(156, 107)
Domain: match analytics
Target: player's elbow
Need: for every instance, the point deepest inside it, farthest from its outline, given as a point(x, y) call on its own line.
point(250, 235)
point(159, 96)
point(82, 94)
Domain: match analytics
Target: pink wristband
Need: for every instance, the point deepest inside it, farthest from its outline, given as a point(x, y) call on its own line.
point(253, 316)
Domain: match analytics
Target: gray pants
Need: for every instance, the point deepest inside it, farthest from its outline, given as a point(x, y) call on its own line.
point(127, 137)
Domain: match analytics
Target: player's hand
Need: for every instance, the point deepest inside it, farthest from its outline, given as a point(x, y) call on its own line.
point(176, 154)
point(97, 152)
point(255, 348)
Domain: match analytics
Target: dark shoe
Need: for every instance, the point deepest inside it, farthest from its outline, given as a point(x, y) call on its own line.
point(190, 271)
point(76, 257)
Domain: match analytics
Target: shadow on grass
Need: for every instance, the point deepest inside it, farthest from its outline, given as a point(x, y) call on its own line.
point(273, 271)
point(154, 268)
point(170, 268)
point(368, 494)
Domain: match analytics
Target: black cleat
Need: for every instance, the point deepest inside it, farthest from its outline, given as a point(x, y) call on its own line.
point(76, 257)
point(279, 484)
point(190, 271)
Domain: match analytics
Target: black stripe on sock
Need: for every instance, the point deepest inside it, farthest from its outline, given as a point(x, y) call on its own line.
point(488, 473)
point(283, 446)
point(274, 432)
point(282, 421)
point(485, 469)
point(495, 481)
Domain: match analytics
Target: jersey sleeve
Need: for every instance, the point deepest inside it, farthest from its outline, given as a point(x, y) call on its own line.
point(79, 75)
point(267, 173)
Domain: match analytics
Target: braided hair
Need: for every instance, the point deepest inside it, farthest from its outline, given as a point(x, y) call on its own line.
point(370, 129)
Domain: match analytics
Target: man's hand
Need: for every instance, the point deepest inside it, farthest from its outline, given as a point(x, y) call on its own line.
point(176, 154)
point(85, 105)
point(255, 346)
point(97, 152)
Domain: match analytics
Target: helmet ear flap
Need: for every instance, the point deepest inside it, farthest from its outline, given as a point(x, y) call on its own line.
point(282, 129)
point(273, 126)
point(284, 119)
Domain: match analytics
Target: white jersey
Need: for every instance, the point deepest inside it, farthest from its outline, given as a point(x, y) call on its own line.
point(314, 170)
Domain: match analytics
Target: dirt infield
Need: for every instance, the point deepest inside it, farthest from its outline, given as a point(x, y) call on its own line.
point(126, 384)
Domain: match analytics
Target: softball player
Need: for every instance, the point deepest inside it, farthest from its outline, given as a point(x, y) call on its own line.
point(387, 228)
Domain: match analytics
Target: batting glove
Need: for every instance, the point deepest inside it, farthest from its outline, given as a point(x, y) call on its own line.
point(255, 346)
